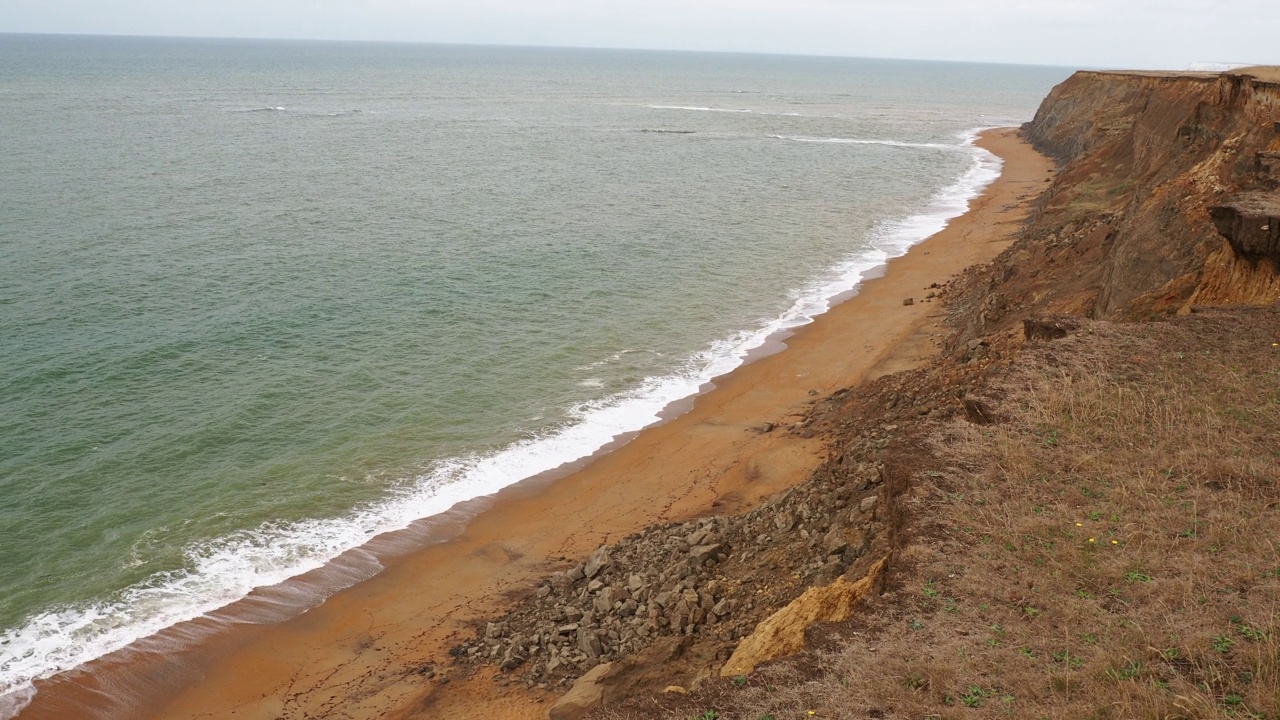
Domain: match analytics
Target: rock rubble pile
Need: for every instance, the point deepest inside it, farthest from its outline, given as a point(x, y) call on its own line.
point(713, 578)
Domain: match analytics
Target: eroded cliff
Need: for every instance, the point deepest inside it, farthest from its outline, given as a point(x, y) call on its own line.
point(1167, 188)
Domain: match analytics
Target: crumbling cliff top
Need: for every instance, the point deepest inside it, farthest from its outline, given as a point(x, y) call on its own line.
point(1264, 73)
point(1268, 73)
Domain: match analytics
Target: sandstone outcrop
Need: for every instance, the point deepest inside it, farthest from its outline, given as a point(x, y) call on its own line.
point(782, 633)
point(586, 693)
point(1251, 224)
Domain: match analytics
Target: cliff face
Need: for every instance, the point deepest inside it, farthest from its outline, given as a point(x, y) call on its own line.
point(1167, 198)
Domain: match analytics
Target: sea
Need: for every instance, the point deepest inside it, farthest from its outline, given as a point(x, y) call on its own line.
point(263, 301)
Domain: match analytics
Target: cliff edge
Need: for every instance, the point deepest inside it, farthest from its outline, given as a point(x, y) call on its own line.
point(1165, 201)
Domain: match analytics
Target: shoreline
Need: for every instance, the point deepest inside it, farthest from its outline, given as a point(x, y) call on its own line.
point(357, 542)
point(359, 652)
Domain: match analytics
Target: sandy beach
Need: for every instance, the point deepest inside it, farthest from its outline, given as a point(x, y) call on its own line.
point(361, 653)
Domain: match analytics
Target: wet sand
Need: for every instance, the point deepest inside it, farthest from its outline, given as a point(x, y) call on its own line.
point(362, 654)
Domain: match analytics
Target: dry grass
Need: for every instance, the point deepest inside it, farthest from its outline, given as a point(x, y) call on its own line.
point(1267, 73)
point(1107, 551)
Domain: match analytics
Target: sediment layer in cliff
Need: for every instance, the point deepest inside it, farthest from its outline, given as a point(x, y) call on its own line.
point(1166, 186)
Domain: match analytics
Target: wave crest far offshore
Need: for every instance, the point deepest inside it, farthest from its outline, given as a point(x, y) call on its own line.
point(861, 141)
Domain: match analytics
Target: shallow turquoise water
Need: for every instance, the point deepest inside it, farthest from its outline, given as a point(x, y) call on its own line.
point(261, 300)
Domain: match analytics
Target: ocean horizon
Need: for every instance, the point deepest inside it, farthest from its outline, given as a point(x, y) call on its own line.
point(266, 300)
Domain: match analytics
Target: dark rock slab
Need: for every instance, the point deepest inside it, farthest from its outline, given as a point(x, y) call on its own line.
point(1251, 223)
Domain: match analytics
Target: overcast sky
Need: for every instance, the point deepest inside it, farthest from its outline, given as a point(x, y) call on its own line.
point(1085, 33)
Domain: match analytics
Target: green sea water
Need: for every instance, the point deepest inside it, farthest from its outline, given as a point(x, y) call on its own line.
point(260, 301)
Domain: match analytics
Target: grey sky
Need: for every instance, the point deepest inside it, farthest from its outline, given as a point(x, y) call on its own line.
point(1099, 33)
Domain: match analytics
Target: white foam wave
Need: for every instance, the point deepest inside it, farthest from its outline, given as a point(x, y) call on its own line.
point(616, 357)
point(12, 703)
point(696, 108)
point(225, 570)
point(861, 141)
point(950, 202)
point(324, 113)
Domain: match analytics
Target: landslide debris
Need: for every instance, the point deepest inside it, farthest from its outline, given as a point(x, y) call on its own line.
point(711, 579)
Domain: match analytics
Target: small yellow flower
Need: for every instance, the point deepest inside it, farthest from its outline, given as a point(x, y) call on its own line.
point(1115, 542)
point(1093, 539)
point(813, 712)
point(1079, 524)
